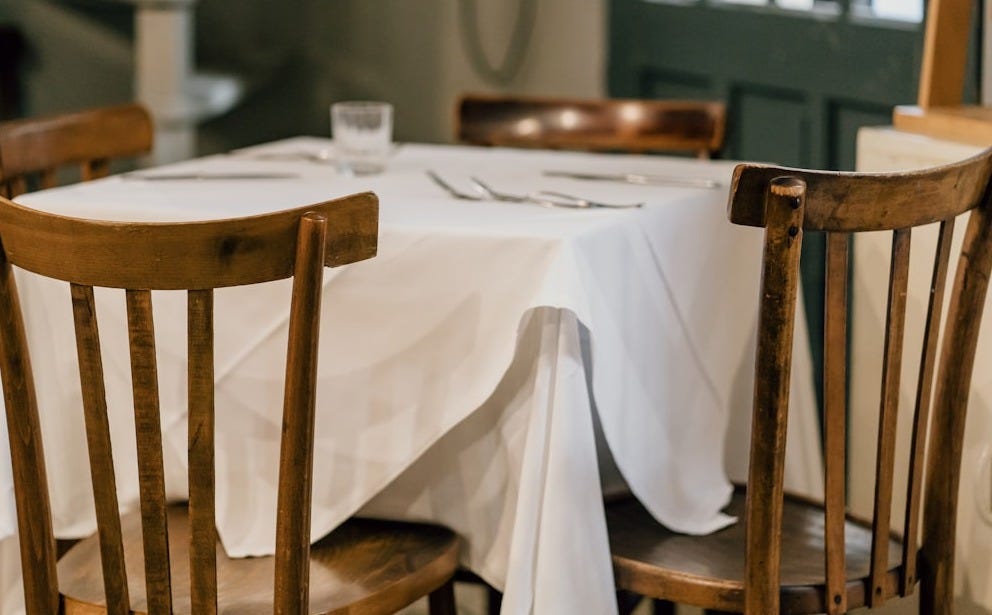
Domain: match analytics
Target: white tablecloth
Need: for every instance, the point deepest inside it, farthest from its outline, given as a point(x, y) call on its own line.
point(456, 367)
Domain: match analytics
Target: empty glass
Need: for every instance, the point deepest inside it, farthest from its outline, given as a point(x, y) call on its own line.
point(363, 135)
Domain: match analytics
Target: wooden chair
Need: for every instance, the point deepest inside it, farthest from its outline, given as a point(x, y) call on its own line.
point(594, 125)
point(37, 148)
point(362, 567)
point(789, 554)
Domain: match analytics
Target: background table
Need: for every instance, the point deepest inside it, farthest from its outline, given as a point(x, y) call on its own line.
point(467, 375)
point(882, 149)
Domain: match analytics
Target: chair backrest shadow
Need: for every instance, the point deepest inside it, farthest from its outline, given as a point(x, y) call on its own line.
point(788, 203)
point(592, 124)
point(201, 256)
point(36, 149)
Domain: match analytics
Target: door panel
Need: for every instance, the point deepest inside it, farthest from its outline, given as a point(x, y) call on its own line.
point(771, 121)
point(798, 83)
point(675, 84)
point(846, 117)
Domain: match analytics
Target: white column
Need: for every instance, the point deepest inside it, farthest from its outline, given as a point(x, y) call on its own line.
point(163, 67)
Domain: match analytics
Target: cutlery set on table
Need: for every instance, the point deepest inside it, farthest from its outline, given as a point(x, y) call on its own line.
point(478, 189)
point(548, 198)
point(545, 198)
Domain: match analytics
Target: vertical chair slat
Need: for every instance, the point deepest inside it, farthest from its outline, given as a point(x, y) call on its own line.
point(888, 413)
point(148, 432)
point(296, 454)
point(203, 531)
point(98, 444)
point(835, 418)
point(17, 186)
point(34, 516)
point(921, 413)
point(957, 358)
point(95, 169)
point(783, 239)
point(47, 178)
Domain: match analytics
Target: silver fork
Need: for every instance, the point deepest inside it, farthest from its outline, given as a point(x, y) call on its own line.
point(496, 195)
point(546, 198)
point(589, 202)
point(455, 192)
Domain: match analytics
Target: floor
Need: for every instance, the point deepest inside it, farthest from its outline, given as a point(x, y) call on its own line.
point(471, 600)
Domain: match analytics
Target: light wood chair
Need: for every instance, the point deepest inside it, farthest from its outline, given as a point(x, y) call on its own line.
point(593, 125)
point(362, 567)
point(35, 149)
point(789, 554)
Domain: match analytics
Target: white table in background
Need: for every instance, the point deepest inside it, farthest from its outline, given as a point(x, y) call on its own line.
point(467, 374)
point(884, 149)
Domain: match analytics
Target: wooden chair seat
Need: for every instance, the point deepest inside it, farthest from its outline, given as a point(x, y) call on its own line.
point(364, 566)
point(646, 555)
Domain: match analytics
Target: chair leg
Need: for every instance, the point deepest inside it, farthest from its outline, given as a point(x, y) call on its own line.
point(62, 546)
point(664, 607)
point(932, 601)
point(442, 600)
point(494, 601)
point(627, 601)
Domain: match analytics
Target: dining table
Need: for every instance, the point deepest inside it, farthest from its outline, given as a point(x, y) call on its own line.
point(496, 368)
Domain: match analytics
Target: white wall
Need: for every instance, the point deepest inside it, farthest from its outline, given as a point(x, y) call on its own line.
point(409, 53)
point(72, 62)
point(298, 56)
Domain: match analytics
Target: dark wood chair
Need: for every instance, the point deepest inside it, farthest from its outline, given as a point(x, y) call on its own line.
point(363, 567)
point(634, 126)
point(789, 554)
point(36, 149)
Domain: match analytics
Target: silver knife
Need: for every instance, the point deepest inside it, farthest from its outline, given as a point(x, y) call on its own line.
point(207, 176)
point(639, 178)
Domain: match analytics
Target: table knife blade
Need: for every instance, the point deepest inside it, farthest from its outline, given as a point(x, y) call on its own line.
point(638, 178)
point(207, 176)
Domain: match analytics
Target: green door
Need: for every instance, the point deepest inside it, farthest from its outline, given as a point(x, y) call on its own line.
point(798, 82)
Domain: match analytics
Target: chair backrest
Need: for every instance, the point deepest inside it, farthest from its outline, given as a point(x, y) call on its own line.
point(787, 203)
point(140, 258)
point(594, 125)
point(40, 147)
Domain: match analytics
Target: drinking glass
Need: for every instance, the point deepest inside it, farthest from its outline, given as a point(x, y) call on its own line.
point(363, 135)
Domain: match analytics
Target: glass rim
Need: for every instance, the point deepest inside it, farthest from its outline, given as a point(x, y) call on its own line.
point(361, 105)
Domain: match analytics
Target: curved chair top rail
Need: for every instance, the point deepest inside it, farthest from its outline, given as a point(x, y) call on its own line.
point(844, 202)
point(36, 144)
point(174, 254)
point(594, 124)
